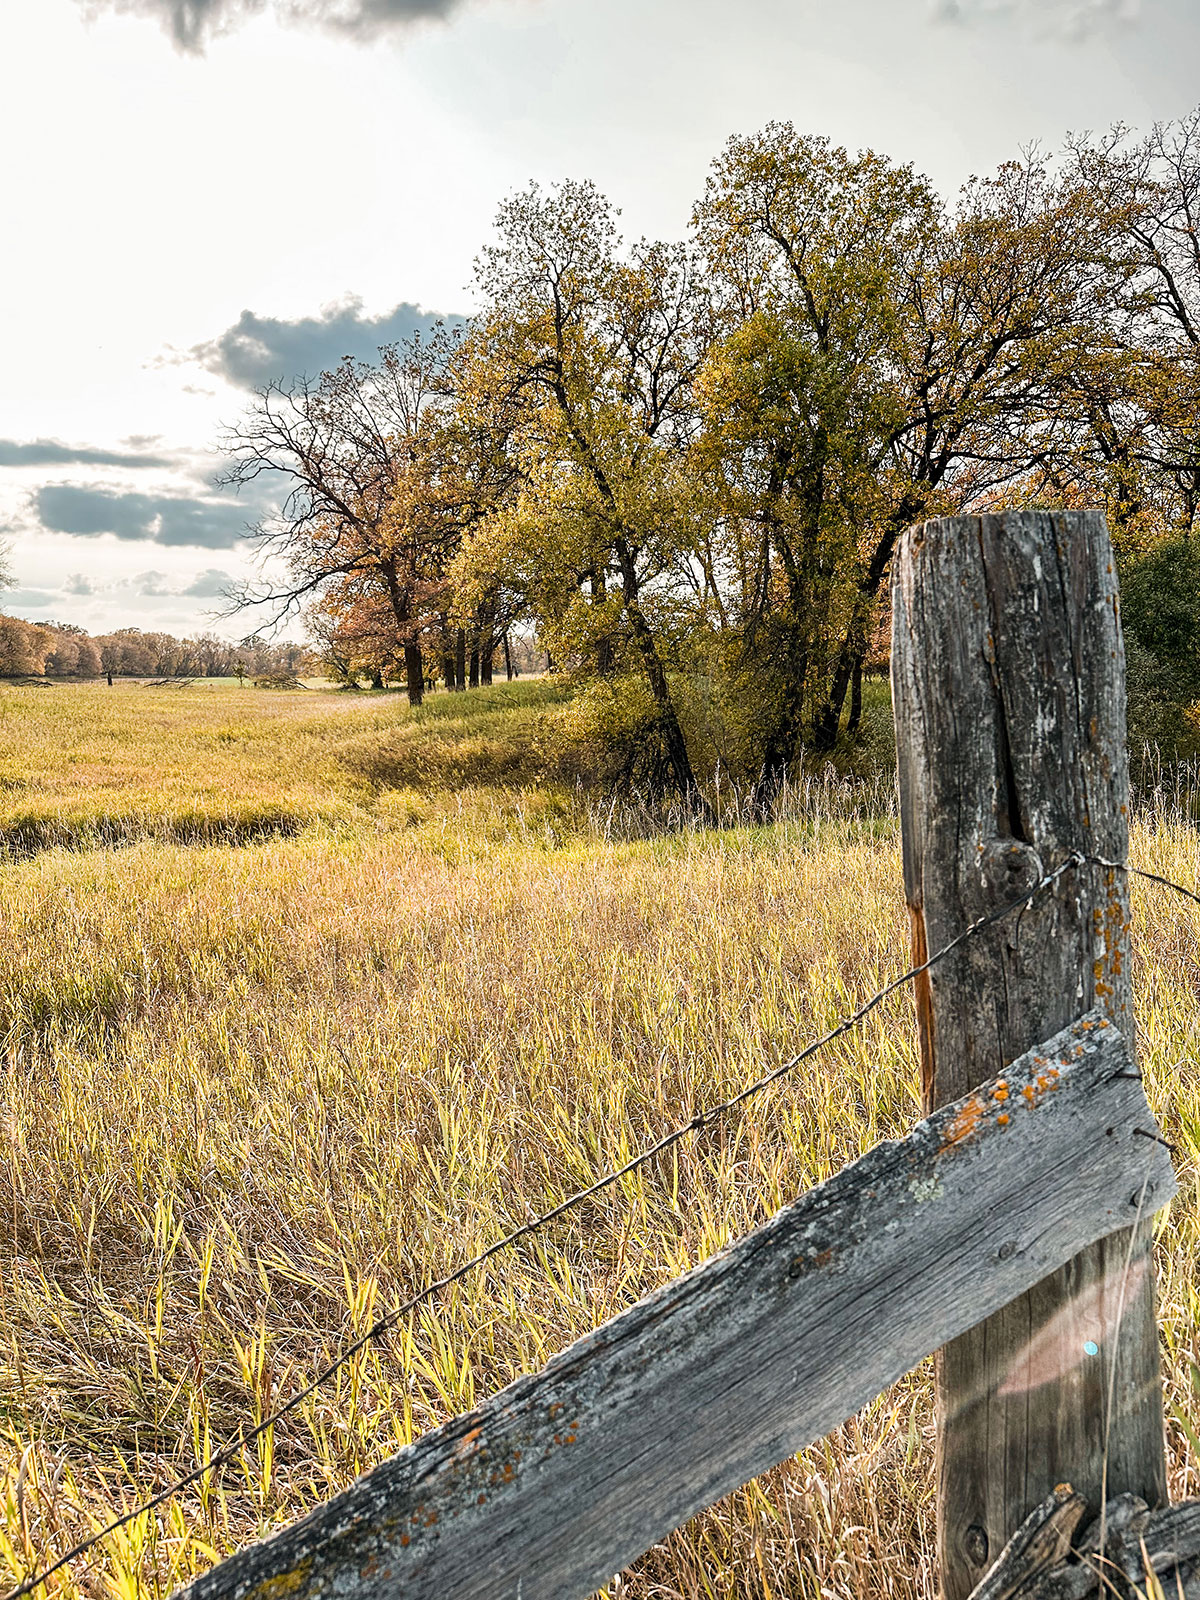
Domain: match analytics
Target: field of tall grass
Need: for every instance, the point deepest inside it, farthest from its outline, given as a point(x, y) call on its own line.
point(306, 999)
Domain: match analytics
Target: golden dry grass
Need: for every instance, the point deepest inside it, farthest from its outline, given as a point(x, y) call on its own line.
point(255, 1094)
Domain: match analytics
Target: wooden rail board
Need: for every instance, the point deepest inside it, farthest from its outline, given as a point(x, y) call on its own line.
point(569, 1474)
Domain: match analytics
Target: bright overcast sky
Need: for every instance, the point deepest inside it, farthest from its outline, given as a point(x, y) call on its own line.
point(203, 193)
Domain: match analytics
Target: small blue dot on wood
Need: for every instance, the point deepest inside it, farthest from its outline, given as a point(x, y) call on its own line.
point(1091, 1349)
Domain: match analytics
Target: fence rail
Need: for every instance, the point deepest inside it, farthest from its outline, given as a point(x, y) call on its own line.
point(566, 1476)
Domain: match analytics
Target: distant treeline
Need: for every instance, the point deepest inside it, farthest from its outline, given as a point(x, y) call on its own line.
point(58, 649)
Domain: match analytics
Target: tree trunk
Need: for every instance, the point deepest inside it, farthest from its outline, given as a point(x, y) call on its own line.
point(401, 601)
point(485, 661)
point(508, 665)
point(788, 668)
point(460, 660)
point(825, 726)
point(778, 752)
point(855, 721)
point(854, 643)
point(1008, 679)
point(605, 660)
point(475, 668)
point(414, 673)
point(674, 745)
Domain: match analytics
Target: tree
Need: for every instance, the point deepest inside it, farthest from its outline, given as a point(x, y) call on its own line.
point(809, 248)
point(23, 648)
point(887, 359)
point(597, 349)
point(1131, 400)
point(1160, 605)
point(356, 632)
point(364, 505)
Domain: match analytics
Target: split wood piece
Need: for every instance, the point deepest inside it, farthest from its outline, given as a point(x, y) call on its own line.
point(1009, 693)
point(1045, 1561)
point(568, 1475)
point(1041, 1543)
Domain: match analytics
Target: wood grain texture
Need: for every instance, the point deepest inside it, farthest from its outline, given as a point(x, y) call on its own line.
point(567, 1475)
point(1008, 685)
point(1047, 1560)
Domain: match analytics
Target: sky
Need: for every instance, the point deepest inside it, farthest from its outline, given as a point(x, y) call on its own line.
point(201, 195)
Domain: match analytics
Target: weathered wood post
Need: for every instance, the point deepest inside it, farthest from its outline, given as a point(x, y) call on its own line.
point(1009, 691)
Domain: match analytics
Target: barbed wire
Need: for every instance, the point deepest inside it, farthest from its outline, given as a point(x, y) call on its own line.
point(1140, 872)
point(696, 1124)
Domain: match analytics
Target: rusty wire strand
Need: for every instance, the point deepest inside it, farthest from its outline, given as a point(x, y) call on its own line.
point(696, 1124)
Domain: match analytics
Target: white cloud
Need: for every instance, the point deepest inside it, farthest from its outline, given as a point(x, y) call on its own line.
point(1065, 19)
point(103, 583)
point(154, 584)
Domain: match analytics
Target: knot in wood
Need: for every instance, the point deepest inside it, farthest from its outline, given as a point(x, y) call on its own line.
point(975, 1545)
point(1010, 869)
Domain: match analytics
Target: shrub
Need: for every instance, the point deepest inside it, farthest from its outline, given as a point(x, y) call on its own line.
point(1160, 596)
point(1159, 695)
point(278, 680)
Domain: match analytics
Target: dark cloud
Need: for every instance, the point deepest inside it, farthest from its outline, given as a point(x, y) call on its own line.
point(51, 453)
point(192, 23)
point(77, 584)
point(257, 349)
point(214, 524)
point(211, 584)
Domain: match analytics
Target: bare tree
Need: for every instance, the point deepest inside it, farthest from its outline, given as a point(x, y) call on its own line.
point(364, 503)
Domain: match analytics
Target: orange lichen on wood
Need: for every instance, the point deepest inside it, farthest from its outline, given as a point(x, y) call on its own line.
point(1111, 929)
point(1033, 1092)
point(964, 1124)
point(469, 1442)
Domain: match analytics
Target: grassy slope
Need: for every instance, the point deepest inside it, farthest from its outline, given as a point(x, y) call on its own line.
point(83, 764)
point(255, 1093)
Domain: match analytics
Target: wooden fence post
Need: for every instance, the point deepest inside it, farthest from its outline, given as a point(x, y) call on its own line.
point(1009, 693)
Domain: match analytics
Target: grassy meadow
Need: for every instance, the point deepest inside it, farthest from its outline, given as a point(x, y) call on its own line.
point(306, 999)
